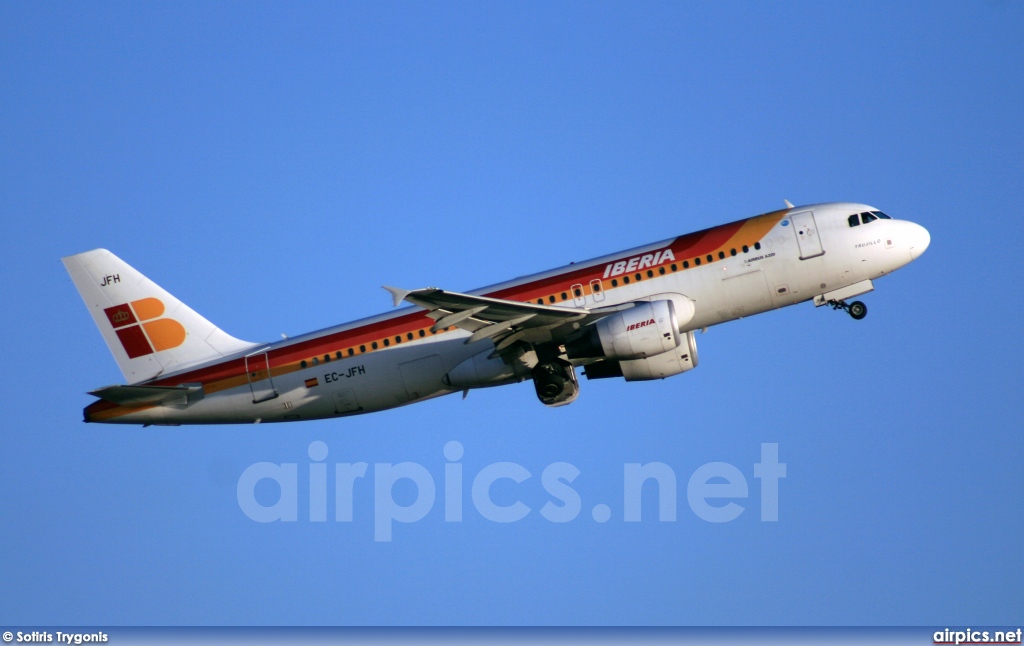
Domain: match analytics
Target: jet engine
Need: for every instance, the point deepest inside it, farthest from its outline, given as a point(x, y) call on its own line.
point(645, 330)
point(659, 366)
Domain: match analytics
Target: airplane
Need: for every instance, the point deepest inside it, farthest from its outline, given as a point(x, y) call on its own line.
point(629, 315)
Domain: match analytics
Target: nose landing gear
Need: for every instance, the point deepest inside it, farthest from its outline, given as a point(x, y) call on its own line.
point(857, 310)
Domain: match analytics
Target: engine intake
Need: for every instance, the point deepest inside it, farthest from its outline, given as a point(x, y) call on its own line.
point(645, 330)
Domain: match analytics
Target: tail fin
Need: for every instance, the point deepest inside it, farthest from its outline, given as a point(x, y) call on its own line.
point(149, 331)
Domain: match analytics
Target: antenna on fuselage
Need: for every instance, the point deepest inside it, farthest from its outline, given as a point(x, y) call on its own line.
point(789, 204)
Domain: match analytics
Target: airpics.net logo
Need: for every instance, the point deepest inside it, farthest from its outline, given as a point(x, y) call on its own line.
point(715, 492)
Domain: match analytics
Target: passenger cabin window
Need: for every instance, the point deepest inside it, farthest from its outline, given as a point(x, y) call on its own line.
point(686, 265)
point(746, 249)
point(854, 220)
point(757, 245)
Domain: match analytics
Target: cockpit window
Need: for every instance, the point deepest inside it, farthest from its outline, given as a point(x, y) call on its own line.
point(867, 217)
point(880, 215)
point(854, 220)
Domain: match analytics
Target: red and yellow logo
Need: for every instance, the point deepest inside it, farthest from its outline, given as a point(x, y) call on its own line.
point(141, 330)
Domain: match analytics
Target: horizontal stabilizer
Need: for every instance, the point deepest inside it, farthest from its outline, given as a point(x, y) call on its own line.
point(149, 395)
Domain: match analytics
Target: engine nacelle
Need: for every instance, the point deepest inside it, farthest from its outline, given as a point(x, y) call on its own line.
point(659, 366)
point(648, 329)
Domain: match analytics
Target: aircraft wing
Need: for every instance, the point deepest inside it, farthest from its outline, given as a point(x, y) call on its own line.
point(502, 320)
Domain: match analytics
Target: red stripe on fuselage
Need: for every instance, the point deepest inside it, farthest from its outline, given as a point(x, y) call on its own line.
point(690, 245)
point(703, 242)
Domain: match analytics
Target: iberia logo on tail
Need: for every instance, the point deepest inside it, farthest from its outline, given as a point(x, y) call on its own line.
point(141, 330)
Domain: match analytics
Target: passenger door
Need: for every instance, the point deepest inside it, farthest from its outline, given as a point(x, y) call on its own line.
point(257, 369)
point(807, 238)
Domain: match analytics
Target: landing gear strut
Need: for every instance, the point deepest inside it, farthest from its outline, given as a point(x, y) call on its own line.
point(556, 382)
point(856, 309)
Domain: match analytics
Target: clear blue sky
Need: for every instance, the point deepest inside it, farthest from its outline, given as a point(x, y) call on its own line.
point(273, 164)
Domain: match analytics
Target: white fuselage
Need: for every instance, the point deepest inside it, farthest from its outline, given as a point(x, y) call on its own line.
point(809, 252)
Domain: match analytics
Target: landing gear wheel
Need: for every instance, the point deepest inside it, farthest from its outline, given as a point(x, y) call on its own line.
point(858, 310)
point(555, 382)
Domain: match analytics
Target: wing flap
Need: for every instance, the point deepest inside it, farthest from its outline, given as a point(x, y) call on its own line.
point(491, 310)
point(485, 317)
point(498, 319)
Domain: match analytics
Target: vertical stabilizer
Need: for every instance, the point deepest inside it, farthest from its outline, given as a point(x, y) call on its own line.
point(148, 331)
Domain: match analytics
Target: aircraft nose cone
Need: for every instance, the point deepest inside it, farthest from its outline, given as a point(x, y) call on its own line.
point(919, 240)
